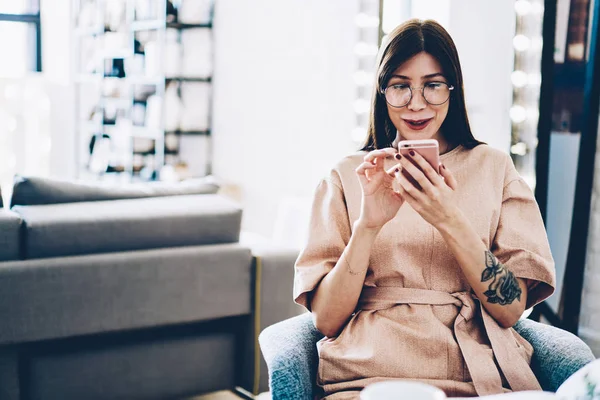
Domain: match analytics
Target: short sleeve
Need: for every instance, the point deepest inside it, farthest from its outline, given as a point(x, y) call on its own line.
point(521, 243)
point(328, 234)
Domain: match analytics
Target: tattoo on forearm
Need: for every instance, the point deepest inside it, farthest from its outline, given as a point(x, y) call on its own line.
point(504, 288)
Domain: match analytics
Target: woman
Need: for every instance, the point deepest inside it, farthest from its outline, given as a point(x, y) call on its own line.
point(421, 276)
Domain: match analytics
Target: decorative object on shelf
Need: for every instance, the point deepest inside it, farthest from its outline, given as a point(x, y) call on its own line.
point(144, 79)
point(195, 11)
point(172, 107)
point(100, 149)
point(172, 12)
point(195, 99)
point(173, 54)
point(197, 47)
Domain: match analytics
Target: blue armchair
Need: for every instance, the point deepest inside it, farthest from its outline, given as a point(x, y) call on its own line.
point(289, 349)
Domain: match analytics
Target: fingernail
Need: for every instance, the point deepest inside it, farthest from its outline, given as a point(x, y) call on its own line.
point(412, 153)
point(398, 156)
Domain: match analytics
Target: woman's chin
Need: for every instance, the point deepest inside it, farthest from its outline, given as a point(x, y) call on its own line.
point(409, 134)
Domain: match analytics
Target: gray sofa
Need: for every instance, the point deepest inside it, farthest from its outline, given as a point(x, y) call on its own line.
point(145, 298)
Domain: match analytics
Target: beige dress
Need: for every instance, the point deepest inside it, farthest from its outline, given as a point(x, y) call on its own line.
point(416, 318)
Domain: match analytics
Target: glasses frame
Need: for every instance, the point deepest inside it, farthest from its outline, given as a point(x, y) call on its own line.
point(450, 89)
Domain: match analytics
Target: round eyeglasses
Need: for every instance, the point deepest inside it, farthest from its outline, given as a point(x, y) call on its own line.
point(434, 93)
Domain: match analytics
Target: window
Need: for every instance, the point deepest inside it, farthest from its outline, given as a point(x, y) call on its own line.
point(20, 37)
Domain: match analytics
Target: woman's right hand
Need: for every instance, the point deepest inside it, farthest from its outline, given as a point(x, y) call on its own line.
point(380, 202)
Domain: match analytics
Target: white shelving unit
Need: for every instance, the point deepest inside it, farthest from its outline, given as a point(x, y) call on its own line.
point(143, 88)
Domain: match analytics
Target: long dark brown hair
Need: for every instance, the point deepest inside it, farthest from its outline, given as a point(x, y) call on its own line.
point(407, 40)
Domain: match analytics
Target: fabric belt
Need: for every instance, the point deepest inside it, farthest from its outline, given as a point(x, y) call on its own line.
point(484, 372)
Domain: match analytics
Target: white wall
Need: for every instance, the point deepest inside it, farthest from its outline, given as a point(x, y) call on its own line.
point(57, 47)
point(283, 98)
point(483, 32)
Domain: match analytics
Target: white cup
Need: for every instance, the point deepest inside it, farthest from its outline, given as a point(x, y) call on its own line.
point(401, 390)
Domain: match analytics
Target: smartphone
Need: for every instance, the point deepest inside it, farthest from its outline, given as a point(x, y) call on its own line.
point(429, 149)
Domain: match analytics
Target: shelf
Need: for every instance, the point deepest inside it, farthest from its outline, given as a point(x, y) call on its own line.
point(177, 25)
point(143, 80)
point(89, 78)
point(140, 80)
point(90, 31)
point(134, 80)
point(108, 52)
point(189, 133)
point(152, 152)
point(115, 54)
point(132, 130)
point(117, 102)
point(159, 24)
point(147, 25)
point(144, 132)
point(119, 169)
point(189, 79)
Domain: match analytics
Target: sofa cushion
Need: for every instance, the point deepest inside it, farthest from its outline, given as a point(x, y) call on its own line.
point(72, 296)
point(120, 225)
point(38, 191)
point(10, 231)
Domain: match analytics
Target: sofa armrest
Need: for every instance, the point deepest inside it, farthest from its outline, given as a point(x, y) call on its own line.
point(557, 354)
point(290, 351)
point(275, 281)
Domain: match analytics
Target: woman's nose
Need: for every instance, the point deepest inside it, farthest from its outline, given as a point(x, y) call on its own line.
point(417, 102)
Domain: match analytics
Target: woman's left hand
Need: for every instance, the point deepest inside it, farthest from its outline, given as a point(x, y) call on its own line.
point(435, 199)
